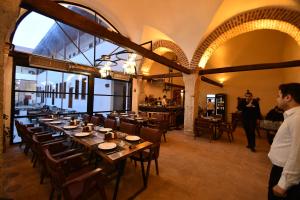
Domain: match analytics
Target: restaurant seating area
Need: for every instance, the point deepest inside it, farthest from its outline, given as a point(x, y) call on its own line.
point(188, 169)
point(144, 100)
point(70, 151)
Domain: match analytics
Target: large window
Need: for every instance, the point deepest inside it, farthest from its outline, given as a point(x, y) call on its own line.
point(40, 35)
point(39, 90)
point(111, 95)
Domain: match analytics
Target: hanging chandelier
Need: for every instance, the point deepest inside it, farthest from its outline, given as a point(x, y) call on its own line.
point(130, 64)
point(105, 71)
point(106, 62)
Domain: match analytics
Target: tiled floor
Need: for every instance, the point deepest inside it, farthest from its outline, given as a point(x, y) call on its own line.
point(189, 169)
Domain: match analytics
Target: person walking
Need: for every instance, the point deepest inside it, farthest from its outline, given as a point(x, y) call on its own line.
point(284, 181)
point(250, 114)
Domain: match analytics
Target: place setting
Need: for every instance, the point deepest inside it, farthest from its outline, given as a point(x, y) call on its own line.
point(55, 122)
point(46, 119)
point(109, 147)
point(70, 127)
point(132, 140)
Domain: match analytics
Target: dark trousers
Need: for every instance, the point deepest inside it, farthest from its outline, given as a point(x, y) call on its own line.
point(249, 127)
point(292, 194)
point(209, 112)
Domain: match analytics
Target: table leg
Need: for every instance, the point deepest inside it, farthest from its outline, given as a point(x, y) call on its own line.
point(148, 167)
point(143, 168)
point(120, 166)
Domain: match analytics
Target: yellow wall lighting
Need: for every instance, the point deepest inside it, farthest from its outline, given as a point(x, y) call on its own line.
point(278, 25)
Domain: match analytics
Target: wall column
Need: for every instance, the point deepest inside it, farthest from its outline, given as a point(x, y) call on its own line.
point(138, 93)
point(10, 12)
point(191, 83)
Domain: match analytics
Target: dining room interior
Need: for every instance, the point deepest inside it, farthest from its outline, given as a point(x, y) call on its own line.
point(118, 100)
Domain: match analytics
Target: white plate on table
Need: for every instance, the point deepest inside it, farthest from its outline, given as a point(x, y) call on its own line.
point(107, 145)
point(105, 129)
point(132, 138)
point(90, 124)
point(67, 118)
point(82, 134)
point(55, 122)
point(138, 118)
point(47, 119)
point(70, 127)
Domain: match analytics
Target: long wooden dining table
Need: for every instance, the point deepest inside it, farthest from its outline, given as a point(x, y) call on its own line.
point(117, 156)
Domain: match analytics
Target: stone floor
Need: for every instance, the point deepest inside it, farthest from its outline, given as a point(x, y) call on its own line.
point(189, 169)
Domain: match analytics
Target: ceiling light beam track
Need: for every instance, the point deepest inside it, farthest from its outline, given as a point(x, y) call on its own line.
point(57, 12)
point(241, 68)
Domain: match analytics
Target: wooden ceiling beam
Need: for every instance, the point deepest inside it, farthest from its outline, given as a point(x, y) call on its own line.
point(212, 82)
point(175, 85)
point(240, 68)
point(156, 76)
point(57, 12)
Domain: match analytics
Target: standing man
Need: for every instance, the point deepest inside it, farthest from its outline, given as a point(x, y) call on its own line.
point(250, 113)
point(284, 182)
point(164, 101)
point(210, 108)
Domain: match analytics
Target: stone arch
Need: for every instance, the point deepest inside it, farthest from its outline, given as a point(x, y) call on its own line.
point(274, 18)
point(181, 57)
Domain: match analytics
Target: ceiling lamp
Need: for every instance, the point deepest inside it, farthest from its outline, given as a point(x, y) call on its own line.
point(129, 65)
point(105, 71)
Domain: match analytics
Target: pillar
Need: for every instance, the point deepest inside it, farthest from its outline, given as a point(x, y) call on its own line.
point(191, 83)
point(9, 13)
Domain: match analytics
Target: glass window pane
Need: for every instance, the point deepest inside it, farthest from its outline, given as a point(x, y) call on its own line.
point(26, 101)
point(26, 78)
point(77, 105)
point(71, 79)
point(103, 103)
point(121, 88)
point(103, 86)
point(121, 103)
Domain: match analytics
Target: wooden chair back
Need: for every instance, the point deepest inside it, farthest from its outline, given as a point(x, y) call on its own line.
point(110, 123)
point(128, 128)
point(152, 135)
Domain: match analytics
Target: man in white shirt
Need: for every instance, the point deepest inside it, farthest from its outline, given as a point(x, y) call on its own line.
point(284, 182)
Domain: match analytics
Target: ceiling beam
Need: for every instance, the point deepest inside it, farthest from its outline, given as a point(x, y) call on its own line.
point(174, 85)
point(240, 68)
point(162, 76)
point(57, 12)
point(207, 80)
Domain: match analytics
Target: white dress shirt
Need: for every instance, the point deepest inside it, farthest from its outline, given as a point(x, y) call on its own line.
point(285, 149)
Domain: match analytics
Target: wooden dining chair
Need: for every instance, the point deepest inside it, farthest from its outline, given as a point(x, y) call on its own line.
point(59, 148)
point(95, 120)
point(72, 180)
point(86, 118)
point(128, 128)
point(101, 118)
point(203, 126)
point(110, 123)
point(154, 136)
point(228, 128)
point(160, 121)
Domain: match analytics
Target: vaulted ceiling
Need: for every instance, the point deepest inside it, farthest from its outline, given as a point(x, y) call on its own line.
point(186, 23)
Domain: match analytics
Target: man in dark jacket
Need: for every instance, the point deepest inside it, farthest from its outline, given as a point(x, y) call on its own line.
point(250, 113)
